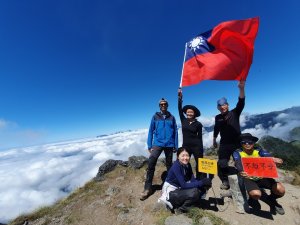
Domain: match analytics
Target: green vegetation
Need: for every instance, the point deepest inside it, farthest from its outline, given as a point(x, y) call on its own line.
point(161, 216)
point(295, 134)
point(196, 214)
point(288, 152)
point(33, 216)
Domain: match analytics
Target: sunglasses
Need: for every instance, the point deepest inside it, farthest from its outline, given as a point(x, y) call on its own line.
point(163, 104)
point(247, 142)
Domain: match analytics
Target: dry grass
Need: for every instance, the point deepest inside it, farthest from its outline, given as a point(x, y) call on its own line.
point(196, 214)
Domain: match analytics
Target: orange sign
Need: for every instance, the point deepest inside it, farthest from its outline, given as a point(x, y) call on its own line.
point(260, 167)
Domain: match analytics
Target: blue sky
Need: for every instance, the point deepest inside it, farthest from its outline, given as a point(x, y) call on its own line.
point(74, 69)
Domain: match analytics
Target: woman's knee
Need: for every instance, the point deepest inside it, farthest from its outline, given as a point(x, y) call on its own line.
point(193, 193)
point(255, 194)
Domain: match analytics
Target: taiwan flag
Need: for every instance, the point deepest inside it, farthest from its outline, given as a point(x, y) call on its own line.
point(223, 53)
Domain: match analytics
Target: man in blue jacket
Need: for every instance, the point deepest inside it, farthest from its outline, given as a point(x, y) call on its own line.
point(162, 136)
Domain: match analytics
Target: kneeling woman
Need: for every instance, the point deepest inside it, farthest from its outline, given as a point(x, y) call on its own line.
point(181, 189)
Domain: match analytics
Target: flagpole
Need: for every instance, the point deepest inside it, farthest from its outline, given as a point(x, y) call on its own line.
point(183, 65)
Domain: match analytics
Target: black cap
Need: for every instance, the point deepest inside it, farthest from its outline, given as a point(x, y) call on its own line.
point(248, 137)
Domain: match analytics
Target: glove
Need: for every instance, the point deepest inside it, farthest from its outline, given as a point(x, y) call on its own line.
point(206, 182)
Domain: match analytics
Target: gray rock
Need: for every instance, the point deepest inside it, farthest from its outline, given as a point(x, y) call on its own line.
point(158, 206)
point(121, 205)
point(285, 176)
point(178, 220)
point(108, 166)
point(137, 162)
point(239, 196)
point(161, 161)
point(112, 191)
point(128, 216)
point(296, 207)
point(297, 221)
point(119, 179)
point(205, 221)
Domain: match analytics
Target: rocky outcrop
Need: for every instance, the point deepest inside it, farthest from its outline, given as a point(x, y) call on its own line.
point(108, 166)
point(135, 162)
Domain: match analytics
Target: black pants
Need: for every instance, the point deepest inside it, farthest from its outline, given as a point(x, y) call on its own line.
point(224, 153)
point(197, 152)
point(266, 183)
point(183, 199)
point(153, 160)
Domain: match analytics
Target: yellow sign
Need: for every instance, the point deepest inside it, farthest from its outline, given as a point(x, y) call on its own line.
point(207, 166)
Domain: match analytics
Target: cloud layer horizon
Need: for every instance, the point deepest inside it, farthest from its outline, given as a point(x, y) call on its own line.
point(36, 176)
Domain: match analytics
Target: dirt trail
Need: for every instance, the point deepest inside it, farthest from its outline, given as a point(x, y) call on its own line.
point(290, 202)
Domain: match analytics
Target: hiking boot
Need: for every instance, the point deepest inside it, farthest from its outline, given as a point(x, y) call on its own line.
point(277, 208)
point(171, 209)
point(224, 185)
point(254, 204)
point(179, 211)
point(145, 194)
point(203, 195)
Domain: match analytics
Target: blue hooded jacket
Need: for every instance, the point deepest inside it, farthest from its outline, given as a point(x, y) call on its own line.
point(163, 131)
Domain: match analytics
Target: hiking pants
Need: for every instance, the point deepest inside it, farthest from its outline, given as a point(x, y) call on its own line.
point(183, 199)
point(153, 160)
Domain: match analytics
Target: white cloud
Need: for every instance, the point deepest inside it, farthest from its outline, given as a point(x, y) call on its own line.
point(33, 176)
point(243, 119)
point(282, 116)
point(207, 121)
point(3, 123)
point(279, 130)
point(11, 134)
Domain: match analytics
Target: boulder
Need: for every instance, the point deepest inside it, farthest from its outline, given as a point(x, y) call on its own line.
point(137, 162)
point(108, 166)
point(178, 220)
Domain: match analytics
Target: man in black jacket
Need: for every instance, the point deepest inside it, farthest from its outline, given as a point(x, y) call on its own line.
point(227, 123)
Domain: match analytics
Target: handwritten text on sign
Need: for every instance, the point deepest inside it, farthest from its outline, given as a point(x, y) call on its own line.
point(260, 167)
point(207, 166)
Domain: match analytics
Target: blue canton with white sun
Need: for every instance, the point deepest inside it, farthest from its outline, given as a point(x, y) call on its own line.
point(198, 45)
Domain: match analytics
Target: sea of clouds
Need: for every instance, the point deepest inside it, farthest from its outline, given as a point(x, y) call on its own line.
point(36, 176)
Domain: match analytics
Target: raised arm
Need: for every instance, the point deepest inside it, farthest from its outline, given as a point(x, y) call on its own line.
point(241, 102)
point(241, 86)
point(181, 115)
